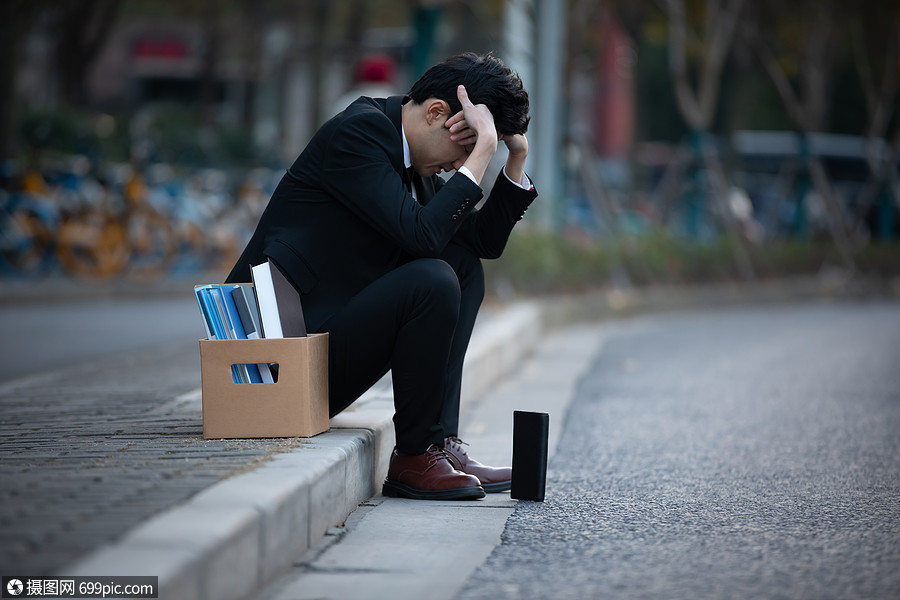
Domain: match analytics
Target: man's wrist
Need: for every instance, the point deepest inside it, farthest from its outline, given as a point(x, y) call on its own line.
point(486, 143)
point(465, 171)
point(524, 181)
point(478, 160)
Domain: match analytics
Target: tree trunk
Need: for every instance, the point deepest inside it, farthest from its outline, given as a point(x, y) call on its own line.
point(253, 12)
point(82, 30)
point(807, 110)
point(720, 193)
point(356, 29)
point(211, 57)
point(881, 97)
point(15, 20)
point(318, 53)
point(698, 108)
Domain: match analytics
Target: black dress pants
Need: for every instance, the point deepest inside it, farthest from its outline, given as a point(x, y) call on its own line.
point(415, 321)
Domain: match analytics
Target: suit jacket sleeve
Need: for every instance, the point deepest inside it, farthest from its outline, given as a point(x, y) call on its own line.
point(486, 231)
point(360, 170)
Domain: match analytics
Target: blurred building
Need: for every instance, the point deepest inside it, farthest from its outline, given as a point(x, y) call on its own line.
point(254, 75)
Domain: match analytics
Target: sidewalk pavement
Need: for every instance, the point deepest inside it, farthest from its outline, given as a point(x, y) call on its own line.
point(105, 471)
point(387, 548)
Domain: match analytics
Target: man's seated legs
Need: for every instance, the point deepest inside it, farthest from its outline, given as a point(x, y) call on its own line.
point(470, 273)
point(404, 321)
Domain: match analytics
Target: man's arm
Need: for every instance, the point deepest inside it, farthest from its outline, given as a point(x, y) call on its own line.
point(486, 231)
point(360, 151)
point(517, 145)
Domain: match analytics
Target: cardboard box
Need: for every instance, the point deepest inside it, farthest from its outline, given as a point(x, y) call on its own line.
point(294, 406)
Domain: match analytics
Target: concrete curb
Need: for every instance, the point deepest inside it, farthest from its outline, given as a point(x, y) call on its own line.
point(229, 541)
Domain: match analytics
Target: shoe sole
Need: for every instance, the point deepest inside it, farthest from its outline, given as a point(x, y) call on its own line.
point(500, 486)
point(394, 489)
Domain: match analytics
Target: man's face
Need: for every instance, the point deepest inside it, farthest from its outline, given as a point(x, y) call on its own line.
point(433, 151)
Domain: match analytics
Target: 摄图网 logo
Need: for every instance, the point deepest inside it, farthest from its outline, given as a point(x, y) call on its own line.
point(14, 587)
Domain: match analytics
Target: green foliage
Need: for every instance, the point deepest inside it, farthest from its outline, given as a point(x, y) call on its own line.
point(63, 132)
point(52, 129)
point(167, 132)
point(657, 109)
point(541, 263)
point(880, 259)
point(175, 135)
point(749, 102)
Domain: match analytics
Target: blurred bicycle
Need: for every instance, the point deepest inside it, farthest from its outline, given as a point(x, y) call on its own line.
point(28, 227)
point(28, 223)
point(110, 233)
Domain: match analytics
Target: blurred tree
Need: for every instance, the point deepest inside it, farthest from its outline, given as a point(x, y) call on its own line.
point(875, 52)
point(82, 28)
point(212, 55)
point(590, 32)
point(319, 53)
point(474, 26)
point(16, 18)
point(253, 14)
point(426, 16)
point(795, 44)
point(710, 51)
point(355, 30)
point(697, 83)
point(658, 115)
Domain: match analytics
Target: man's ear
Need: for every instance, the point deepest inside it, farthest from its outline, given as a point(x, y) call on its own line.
point(436, 111)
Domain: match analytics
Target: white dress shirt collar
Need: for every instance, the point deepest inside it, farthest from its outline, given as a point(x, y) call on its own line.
point(407, 160)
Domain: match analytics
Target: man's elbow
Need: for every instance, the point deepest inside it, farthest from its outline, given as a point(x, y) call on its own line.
point(492, 252)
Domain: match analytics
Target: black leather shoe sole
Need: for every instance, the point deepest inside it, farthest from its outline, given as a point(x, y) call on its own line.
point(500, 486)
point(395, 489)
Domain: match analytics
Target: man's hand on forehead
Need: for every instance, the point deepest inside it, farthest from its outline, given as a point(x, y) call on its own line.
point(472, 122)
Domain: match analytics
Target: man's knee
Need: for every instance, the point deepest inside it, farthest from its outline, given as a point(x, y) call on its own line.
point(469, 271)
point(437, 279)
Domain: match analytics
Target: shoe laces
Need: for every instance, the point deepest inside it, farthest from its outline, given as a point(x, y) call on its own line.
point(458, 456)
point(455, 441)
point(435, 453)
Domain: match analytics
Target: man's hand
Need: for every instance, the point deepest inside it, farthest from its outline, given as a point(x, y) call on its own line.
point(460, 132)
point(474, 126)
point(516, 144)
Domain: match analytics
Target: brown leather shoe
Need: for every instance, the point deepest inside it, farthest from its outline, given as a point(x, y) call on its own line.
point(429, 476)
point(493, 479)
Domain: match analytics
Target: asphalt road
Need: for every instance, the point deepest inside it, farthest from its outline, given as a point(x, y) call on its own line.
point(38, 337)
point(745, 453)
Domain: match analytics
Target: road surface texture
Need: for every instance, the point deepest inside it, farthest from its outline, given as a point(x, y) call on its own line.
point(742, 453)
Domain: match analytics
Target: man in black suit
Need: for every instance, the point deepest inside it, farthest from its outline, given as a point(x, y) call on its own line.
point(387, 256)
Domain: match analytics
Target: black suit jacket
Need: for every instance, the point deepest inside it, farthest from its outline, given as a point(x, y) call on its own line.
point(341, 217)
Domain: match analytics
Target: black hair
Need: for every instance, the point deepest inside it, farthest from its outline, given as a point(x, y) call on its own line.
point(488, 81)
